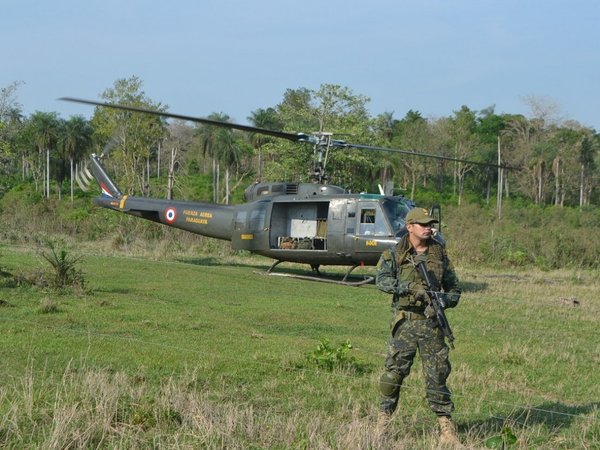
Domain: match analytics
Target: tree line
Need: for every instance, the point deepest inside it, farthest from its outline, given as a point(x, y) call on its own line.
point(557, 160)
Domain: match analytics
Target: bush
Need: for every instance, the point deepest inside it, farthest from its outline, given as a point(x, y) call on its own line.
point(330, 358)
point(20, 195)
point(548, 238)
point(66, 273)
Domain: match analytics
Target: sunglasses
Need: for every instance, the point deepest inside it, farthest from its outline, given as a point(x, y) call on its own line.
point(425, 225)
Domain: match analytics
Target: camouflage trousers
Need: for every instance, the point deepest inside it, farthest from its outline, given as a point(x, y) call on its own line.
point(411, 336)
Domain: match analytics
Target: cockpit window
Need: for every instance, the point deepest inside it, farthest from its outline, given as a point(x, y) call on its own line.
point(396, 212)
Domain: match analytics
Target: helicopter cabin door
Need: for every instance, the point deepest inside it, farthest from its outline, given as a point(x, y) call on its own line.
point(250, 229)
point(299, 225)
point(371, 227)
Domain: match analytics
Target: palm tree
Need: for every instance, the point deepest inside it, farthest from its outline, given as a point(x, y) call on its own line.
point(44, 127)
point(76, 137)
point(385, 125)
point(214, 142)
point(263, 118)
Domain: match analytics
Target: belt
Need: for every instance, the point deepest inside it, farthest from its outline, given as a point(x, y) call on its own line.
point(409, 315)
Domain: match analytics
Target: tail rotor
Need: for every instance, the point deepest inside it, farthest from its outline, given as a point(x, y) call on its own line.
point(84, 178)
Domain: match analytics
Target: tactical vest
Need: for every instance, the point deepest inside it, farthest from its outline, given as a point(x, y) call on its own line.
point(406, 259)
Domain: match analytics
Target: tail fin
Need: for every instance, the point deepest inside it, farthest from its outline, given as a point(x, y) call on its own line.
point(109, 188)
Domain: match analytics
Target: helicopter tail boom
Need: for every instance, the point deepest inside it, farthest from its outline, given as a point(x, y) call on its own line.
point(206, 219)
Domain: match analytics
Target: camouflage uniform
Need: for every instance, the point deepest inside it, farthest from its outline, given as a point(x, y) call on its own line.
point(411, 330)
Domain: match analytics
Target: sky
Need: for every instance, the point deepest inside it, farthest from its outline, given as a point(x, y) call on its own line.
point(234, 56)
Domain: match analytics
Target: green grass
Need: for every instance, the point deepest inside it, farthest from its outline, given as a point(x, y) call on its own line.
point(205, 353)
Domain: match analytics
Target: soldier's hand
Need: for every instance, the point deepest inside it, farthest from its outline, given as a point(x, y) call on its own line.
point(449, 300)
point(420, 294)
point(429, 312)
point(443, 301)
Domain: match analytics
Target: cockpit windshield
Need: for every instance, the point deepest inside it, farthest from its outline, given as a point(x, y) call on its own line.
point(395, 210)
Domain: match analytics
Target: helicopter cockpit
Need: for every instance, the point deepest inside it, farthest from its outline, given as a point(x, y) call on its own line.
point(395, 208)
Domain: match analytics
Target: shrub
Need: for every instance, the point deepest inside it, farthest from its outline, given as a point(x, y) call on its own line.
point(330, 358)
point(66, 273)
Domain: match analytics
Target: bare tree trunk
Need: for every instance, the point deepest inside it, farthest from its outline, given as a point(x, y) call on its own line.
point(259, 164)
point(581, 188)
point(47, 173)
point(214, 180)
point(158, 160)
point(71, 169)
point(227, 185)
point(171, 176)
point(218, 181)
point(557, 186)
point(454, 175)
point(148, 176)
point(540, 184)
point(384, 174)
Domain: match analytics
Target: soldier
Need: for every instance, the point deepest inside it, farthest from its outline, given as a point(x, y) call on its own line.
point(413, 325)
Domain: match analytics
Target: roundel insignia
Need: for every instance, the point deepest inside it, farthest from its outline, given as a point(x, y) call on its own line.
point(170, 214)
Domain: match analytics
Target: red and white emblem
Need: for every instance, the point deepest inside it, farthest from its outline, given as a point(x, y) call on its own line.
point(105, 191)
point(170, 214)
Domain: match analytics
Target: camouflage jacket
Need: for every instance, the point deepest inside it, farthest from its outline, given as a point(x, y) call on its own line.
point(397, 275)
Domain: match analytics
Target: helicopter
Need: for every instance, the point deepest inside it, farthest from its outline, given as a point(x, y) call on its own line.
point(311, 223)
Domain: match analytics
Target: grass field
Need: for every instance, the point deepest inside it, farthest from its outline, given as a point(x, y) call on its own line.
point(206, 353)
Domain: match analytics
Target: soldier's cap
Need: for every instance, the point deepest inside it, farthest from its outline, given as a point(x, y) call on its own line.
point(419, 215)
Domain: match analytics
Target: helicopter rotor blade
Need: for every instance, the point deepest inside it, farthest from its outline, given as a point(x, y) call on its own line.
point(294, 137)
point(343, 144)
point(314, 139)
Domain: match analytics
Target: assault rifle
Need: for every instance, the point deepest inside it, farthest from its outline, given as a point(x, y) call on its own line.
point(437, 303)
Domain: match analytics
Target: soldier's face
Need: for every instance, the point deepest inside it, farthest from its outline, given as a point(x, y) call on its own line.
point(420, 231)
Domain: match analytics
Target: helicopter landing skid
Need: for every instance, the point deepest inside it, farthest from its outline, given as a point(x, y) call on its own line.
point(318, 277)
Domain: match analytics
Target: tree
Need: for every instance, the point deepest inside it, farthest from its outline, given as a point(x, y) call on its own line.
point(532, 147)
point(464, 141)
point(413, 134)
point(289, 160)
point(130, 135)
point(233, 148)
point(179, 140)
point(215, 142)
point(589, 152)
point(338, 107)
point(384, 126)
point(267, 119)
point(331, 109)
point(9, 107)
point(11, 123)
point(44, 132)
point(521, 138)
point(75, 138)
point(296, 111)
point(489, 128)
point(341, 111)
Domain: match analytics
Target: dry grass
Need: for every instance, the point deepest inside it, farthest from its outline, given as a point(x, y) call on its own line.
point(92, 408)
